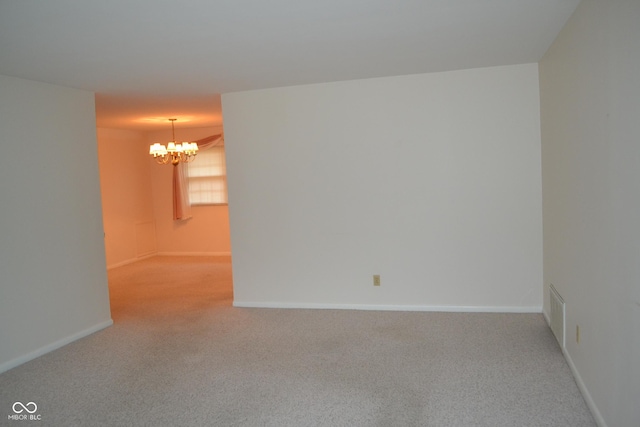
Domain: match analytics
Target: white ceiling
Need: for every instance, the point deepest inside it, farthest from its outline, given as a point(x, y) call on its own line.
point(148, 60)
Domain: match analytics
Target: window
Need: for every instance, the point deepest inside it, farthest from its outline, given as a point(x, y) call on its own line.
point(207, 177)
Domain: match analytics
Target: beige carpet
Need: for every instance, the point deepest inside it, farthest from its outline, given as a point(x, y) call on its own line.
point(180, 355)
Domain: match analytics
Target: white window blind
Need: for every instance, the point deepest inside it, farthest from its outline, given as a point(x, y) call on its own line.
point(207, 176)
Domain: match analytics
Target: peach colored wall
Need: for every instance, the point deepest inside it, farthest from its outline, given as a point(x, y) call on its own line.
point(127, 203)
point(207, 232)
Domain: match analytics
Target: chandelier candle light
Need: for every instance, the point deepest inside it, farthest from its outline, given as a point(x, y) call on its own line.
point(174, 153)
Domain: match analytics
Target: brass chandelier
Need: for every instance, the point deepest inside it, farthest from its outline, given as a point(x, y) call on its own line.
point(174, 153)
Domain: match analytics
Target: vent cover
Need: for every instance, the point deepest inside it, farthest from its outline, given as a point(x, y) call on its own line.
point(557, 315)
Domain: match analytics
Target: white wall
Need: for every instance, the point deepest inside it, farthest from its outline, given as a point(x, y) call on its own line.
point(127, 202)
point(590, 103)
point(432, 181)
point(53, 286)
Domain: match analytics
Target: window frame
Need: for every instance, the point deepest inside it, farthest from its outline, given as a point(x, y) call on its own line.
point(218, 176)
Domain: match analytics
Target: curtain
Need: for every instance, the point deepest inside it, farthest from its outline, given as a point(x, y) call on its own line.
point(209, 141)
point(181, 205)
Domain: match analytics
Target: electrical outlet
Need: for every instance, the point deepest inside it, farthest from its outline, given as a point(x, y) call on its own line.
point(578, 334)
point(376, 280)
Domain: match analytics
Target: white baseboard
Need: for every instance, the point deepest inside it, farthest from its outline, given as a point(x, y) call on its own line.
point(130, 261)
point(585, 393)
point(53, 346)
point(583, 389)
point(478, 309)
point(194, 253)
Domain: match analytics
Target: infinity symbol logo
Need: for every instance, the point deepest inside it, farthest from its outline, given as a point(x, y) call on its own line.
point(24, 407)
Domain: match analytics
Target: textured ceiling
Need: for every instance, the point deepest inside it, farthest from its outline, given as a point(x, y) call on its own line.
point(148, 60)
